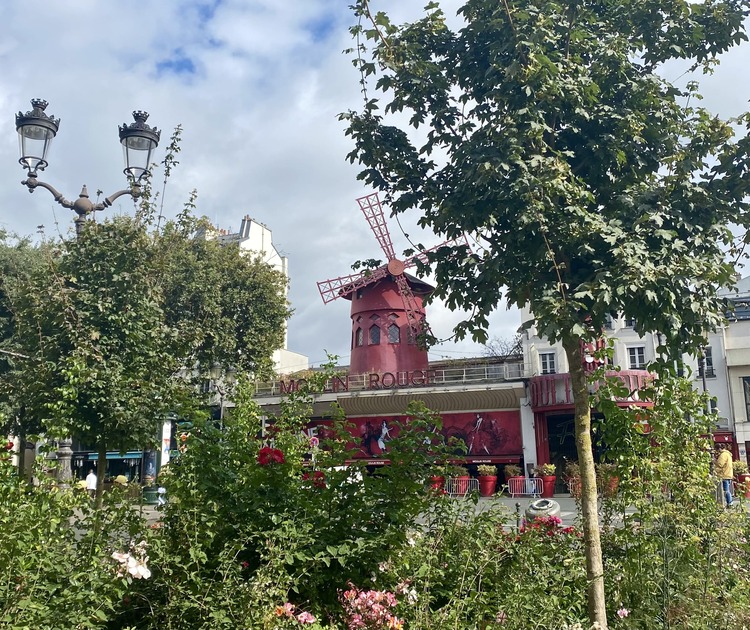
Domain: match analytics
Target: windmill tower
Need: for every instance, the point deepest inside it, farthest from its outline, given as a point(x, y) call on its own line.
point(387, 305)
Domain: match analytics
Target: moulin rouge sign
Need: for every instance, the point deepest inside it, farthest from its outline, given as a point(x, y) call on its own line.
point(373, 380)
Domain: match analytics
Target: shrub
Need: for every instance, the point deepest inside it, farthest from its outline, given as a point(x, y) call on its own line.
point(486, 470)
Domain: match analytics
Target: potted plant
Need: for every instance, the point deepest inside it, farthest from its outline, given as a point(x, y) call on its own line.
point(743, 477)
point(461, 480)
point(547, 473)
point(437, 478)
point(606, 479)
point(572, 478)
point(487, 479)
point(512, 471)
point(514, 479)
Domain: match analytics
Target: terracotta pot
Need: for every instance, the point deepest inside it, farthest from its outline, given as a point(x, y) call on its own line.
point(548, 486)
point(437, 482)
point(487, 485)
point(574, 486)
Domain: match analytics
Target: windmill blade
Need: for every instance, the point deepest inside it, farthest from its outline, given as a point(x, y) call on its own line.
point(414, 315)
point(422, 256)
point(373, 211)
point(339, 287)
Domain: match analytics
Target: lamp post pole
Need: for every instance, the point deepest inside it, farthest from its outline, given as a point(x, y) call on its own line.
point(36, 130)
point(222, 380)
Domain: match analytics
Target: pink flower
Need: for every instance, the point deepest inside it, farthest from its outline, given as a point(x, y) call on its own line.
point(305, 617)
point(268, 455)
point(622, 613)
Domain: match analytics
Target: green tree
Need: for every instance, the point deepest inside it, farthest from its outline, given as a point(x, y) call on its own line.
point(18, 259)
point(589, 184)
point(92, 320)
point(225, 306)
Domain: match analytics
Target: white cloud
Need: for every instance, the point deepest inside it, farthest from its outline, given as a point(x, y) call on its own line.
point(257, 86)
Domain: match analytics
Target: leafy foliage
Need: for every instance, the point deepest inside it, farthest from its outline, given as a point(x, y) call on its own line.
point(92, 321)
point(255, 518)
point(589, 184)
point(56, 570)
point(548, 126)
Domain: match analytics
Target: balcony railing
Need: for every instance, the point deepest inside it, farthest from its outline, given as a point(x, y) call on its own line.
point(554, 391)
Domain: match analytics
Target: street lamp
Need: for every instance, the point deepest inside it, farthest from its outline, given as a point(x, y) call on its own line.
point(215, 372)
point(36, 130)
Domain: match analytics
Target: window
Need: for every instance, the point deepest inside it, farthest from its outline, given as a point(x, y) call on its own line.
point(547, 362)
point(359, 337)
point(746, 390)
point(629, 322)
point(637, 357)
point(708, 361)
point(374, 335)
point(394, 334)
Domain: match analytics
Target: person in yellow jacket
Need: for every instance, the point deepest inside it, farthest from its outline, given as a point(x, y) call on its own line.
point(723, 469)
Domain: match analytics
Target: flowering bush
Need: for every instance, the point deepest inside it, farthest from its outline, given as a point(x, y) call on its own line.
point(134, 562)
point(369, 610)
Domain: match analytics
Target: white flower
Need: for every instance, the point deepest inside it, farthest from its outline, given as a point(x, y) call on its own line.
point(129, 563)
point(622, 613)
point(138, 569)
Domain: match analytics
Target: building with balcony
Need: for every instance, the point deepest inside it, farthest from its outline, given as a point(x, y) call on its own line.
point(480, 401)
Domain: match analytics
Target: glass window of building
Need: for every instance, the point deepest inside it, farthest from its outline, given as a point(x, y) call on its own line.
point(394, 334)
point(374, 335)
point(547, 363)
point(637, 357)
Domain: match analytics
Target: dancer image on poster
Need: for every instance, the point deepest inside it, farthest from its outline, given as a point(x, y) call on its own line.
point(385, 435)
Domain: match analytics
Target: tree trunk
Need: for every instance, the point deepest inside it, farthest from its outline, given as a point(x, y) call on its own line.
point(589, 507)
point(101, 467)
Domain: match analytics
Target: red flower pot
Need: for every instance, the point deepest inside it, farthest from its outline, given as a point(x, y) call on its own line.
point(487, 485)
point(437, 482)
point(548, 486)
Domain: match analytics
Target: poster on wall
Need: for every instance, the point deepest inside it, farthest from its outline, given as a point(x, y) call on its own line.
point(491, 436)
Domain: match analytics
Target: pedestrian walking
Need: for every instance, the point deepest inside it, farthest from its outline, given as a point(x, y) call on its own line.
point(724, 471)
point(91, 483)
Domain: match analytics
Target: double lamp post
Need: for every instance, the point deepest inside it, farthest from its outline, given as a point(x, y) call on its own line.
point(36, 130)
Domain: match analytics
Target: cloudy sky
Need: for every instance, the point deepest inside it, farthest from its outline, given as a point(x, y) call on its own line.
point(257, 86)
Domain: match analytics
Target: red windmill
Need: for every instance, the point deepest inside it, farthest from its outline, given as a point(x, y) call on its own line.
point(387, 304)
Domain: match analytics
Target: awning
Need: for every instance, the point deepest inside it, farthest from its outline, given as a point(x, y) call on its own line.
point(116, 455)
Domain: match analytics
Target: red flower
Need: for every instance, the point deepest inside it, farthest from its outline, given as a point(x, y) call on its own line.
point(268, 455)
point(318, 478)
point(9, 446)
